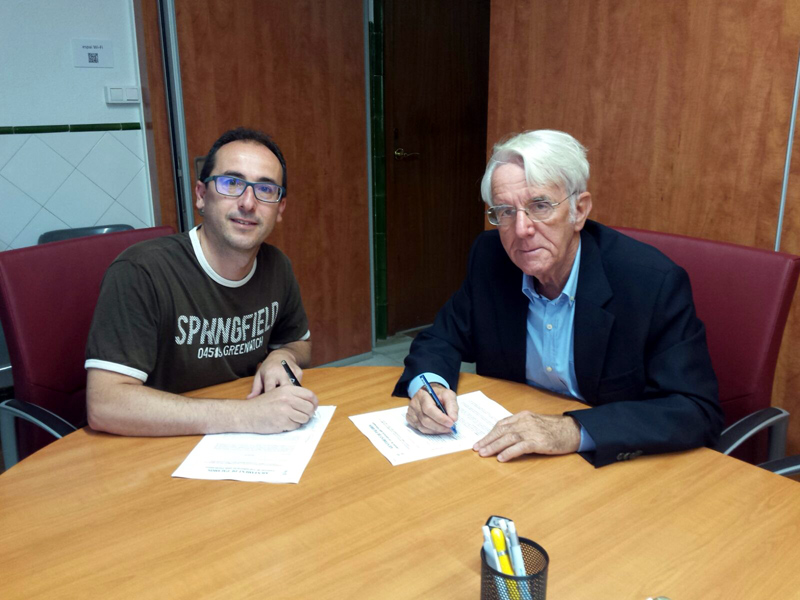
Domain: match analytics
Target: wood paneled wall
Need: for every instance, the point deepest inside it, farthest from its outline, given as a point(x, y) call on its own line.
point(296, 71)
point(685, 109)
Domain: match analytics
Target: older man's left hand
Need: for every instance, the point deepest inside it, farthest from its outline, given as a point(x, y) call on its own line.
point(529, 433)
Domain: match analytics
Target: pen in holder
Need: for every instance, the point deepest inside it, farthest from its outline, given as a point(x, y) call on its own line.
point(512, 567)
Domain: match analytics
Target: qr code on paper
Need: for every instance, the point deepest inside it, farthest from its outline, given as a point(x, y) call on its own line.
point(94, 57)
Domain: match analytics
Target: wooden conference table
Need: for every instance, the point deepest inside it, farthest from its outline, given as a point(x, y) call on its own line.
point(96, 515)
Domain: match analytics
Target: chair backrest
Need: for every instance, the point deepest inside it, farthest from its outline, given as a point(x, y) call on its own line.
point(47, 299)
point(58, 235)
point(743, 296)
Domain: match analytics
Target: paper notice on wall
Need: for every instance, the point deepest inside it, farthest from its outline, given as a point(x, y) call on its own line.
point(93, 53)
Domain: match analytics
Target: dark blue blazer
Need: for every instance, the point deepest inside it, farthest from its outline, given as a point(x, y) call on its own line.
point(640, 353)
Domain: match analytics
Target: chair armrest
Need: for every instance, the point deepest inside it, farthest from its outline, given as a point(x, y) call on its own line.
point(775, 419)
point(783, 466)
point(43, 418)
point(49, 421)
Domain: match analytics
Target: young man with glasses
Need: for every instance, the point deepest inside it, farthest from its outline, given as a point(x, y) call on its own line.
point(568, 305)
point(191, 310)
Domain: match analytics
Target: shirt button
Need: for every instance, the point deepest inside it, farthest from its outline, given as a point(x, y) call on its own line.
point(549, 326)
point(549, 369)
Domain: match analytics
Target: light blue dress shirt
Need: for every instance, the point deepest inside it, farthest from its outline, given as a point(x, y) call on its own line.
point(549, 350)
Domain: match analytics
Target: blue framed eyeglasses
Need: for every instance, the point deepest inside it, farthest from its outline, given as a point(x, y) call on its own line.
point(231, 186)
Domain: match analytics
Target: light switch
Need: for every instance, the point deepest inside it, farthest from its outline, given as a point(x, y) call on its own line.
point(114, 94)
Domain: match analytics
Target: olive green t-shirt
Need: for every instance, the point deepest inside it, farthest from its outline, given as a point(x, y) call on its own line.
point(164, 316)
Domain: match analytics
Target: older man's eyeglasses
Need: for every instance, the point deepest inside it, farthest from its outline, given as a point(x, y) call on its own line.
point(537, 210)
point(227, 185)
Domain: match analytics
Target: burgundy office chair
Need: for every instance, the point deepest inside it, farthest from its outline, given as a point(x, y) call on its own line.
point(743, 296)
point(47, 299)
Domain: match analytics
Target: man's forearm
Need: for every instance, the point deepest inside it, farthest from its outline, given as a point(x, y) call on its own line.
point(116, 405)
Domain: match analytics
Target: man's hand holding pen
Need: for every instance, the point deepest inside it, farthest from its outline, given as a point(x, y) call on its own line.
point(277, 397)
point(423, 414)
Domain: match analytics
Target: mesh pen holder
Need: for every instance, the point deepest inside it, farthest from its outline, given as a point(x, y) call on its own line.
point(533, 586)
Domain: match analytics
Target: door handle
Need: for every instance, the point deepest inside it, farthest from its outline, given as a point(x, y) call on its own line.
point(401, 154)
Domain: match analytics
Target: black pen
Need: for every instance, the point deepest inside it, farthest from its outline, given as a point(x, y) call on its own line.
point(292, 378)
point(436, 399)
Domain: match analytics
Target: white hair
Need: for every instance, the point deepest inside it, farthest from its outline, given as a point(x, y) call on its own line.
point(548, 158)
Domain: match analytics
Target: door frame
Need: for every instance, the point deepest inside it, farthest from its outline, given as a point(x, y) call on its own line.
point(182, 175)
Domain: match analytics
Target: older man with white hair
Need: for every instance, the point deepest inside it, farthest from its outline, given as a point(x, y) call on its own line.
point(563, 303)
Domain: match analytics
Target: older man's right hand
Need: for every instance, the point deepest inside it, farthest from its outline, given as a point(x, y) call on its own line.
point(423, 414)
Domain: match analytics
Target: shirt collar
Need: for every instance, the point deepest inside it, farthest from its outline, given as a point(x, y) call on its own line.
point(570, 288)
point(209, 270)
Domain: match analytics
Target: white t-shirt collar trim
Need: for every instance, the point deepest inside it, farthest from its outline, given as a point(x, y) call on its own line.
point(201, 258)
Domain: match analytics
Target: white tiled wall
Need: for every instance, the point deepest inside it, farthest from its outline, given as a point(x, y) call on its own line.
point(64, 180)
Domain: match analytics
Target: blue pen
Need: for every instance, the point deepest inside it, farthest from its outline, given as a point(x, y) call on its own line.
point(436, 399)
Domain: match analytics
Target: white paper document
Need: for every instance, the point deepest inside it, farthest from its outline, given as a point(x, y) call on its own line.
point(400, 443)
point(273, 458)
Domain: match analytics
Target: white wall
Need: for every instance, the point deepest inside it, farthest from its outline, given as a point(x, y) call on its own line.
point(65, 180)
point(39, 84)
